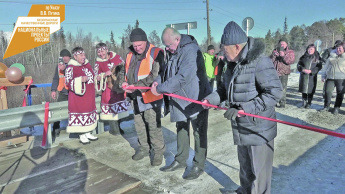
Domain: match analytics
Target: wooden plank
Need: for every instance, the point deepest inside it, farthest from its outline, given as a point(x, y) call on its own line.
point(87, 176)
point(13, 140)
point(25, 81)
point(3, 100)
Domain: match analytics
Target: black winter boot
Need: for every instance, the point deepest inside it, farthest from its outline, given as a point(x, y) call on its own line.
point(336, 110)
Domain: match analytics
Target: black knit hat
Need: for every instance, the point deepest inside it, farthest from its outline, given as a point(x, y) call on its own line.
point(283, 39)
point(338, 42)
point(65, 52)
point(138, 35)
point(210, 47)
point(233, 34)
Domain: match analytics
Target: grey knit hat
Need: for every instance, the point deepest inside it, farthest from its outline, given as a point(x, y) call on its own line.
point(138, 35)
point(65, 52)
point(233, 34)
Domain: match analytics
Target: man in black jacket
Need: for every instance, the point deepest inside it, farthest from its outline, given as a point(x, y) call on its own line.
point(184, 74)
point(251, 84)
point(58, 85)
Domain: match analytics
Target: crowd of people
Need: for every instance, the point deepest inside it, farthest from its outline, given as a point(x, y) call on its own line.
point(246, 79)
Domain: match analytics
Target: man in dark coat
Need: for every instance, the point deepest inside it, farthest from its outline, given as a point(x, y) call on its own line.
point(184, 74)
point(251, 84)
point(58, 85)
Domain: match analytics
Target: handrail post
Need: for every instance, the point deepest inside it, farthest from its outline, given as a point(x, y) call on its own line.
point(100, 126)
point(49, 141)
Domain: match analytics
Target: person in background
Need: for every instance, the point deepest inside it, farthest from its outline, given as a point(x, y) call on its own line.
point(143, 63)
point(81, 97)
point(58, 85)
point(114, 106)
point(251, 85)
point(184, 75)
point(334, 75)
point(309, 65)
point(210, 64)
point(325, 55)
point(282, 58)
point(220, 65)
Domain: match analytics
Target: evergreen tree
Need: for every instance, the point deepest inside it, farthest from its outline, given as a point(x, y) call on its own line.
point(123, 42)
point(286, 30)
point(136, 24)
point(269, 43)
point(154, 38)
point(112, 41)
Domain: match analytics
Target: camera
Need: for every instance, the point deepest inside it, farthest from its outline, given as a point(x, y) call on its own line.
point(60, 60)
point(280, 49)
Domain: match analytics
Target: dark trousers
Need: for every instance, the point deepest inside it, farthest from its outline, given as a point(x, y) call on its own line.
point(255, 168)
point(199, 125)
point(339, 84)
point(211, 82)
point(284, 81)
point(61, 97)
point(307, 98)
point(149, 130)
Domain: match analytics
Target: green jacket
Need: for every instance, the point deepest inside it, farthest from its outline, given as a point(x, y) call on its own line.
point(210, 64)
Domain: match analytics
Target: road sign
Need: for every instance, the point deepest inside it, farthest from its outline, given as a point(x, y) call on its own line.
point(247, 24)
point(183, 26)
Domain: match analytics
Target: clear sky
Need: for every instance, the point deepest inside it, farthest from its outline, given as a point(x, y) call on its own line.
point(101, 17)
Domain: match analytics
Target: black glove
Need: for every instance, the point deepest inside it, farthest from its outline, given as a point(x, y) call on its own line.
point(231, 113)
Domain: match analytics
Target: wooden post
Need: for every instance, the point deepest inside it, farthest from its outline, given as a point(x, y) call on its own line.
point(3, 104)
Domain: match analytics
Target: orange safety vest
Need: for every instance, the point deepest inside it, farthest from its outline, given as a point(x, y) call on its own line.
point(144, 71)
point(61, 81)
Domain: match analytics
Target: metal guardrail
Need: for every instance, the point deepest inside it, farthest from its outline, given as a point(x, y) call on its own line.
point(29, 116)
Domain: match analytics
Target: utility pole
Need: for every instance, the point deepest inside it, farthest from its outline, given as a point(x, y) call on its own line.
point(208, 24)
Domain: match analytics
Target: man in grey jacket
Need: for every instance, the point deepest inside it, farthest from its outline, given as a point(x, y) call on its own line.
point(251, 84)
point(184, 74)
point(58, 85)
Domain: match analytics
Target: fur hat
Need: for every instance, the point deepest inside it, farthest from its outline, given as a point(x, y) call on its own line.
point(233, 34)
point(138, 35)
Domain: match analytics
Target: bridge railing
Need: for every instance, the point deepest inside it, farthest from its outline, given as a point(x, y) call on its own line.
point(29, 116)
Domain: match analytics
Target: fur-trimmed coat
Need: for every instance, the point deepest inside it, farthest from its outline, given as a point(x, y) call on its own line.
point(81, 97)
point(251, 84)
point(114, 106)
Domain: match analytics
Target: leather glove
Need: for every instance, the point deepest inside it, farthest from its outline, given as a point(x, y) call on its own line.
point(231, 113)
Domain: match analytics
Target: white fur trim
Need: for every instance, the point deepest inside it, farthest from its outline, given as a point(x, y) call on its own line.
point(81, 129)
point(102, 60)
point(78, 86)
point(75, 63)
point(114, 116)
point(102, 83)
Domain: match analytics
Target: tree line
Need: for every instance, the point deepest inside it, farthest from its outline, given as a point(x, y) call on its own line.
point(40, 62)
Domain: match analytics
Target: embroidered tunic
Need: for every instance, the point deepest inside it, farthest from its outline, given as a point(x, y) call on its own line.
point(81, 97)
point(114, 106)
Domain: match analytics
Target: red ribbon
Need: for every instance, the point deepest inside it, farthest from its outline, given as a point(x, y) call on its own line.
point(45, 125)
point(3, 88)
point(26, 92)
point(327, 132)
